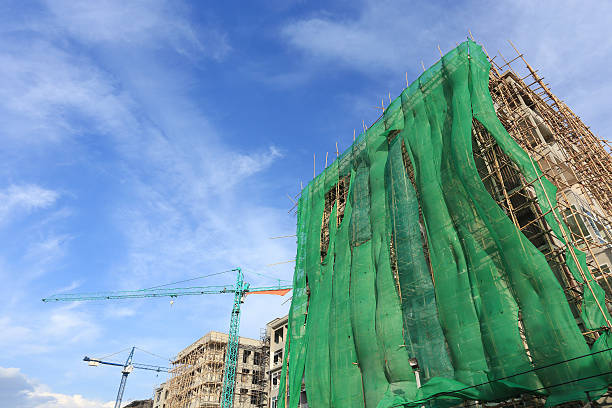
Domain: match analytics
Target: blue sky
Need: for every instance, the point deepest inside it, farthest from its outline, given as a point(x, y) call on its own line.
point(146, 142)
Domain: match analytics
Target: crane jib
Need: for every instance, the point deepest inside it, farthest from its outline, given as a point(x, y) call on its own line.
point(240, 290)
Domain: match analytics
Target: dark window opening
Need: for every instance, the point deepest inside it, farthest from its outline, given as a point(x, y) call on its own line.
point(278, 356)
point(303, 398)
point(245, 356)
point(337, 196)
point(243, 395)
point(278, 335)
point(307, 300)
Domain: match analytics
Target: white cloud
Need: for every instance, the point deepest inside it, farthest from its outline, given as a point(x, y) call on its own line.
point(395, 34)
point(19, 391)
point(25, 198)
point(29, 334)
point(180, 175)
point(140, 23)
point(50, 95)
point(185, 202)
point(199, 233)
point(234, 167)
point(570, 42)
point(71, 324)
point(380, 37)
point(49, 250)
point(344, 42)
point(13, 333)
point(113, 311)
point(68, 288)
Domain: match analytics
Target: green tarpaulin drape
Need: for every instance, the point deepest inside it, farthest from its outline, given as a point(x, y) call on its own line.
point(355, 322)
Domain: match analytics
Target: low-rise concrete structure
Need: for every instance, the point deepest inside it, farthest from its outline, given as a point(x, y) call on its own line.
point(278, 331)
point(197, 374)
point(160, 396)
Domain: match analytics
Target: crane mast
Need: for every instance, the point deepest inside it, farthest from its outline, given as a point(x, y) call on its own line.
point(231, 355)
point(241, 289)
point(127, 368)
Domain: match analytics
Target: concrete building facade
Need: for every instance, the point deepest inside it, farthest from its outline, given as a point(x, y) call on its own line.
point(277, 333)
point(572, 158)
point(197, 374)
point(160, 396)
point(569, 155)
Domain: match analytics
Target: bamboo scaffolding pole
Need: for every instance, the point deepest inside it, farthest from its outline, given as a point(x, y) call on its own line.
point(573, 148)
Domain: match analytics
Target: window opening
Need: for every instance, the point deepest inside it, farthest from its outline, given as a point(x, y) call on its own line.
point(336, 195)
point(245, 356)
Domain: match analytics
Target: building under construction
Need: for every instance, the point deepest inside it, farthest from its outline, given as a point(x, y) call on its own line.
point(458, 252)
point(197, 374)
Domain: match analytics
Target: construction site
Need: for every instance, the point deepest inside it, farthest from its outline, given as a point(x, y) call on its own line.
point(196, 378)
point(197, 373)
point(457, 254)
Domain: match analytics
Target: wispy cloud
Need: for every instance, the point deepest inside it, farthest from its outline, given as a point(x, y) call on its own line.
point(72, 324)
point(22, 334)
point(25, 198)
point(154, 24)
point(51, 95)
point(184, 196)
point(385, 39)
point(178, 175)
point(142, 163)
point(49, 249)
point(393, 34)
point(378, 36)
point(235, 166)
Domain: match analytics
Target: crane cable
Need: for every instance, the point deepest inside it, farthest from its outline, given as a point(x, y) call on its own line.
point(137, 348)
point(113, 354)
point(187, 280)
point(249, 271)
point(153, 354)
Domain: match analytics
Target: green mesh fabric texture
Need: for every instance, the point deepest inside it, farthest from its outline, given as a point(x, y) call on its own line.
point(421, 263)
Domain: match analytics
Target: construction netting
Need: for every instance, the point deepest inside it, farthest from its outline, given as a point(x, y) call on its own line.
point(406, 266)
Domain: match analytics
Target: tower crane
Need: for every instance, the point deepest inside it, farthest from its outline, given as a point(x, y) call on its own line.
point(240, 290)
point(128, 367)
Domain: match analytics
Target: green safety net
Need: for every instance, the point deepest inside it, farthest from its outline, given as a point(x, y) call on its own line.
point(374, 301)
